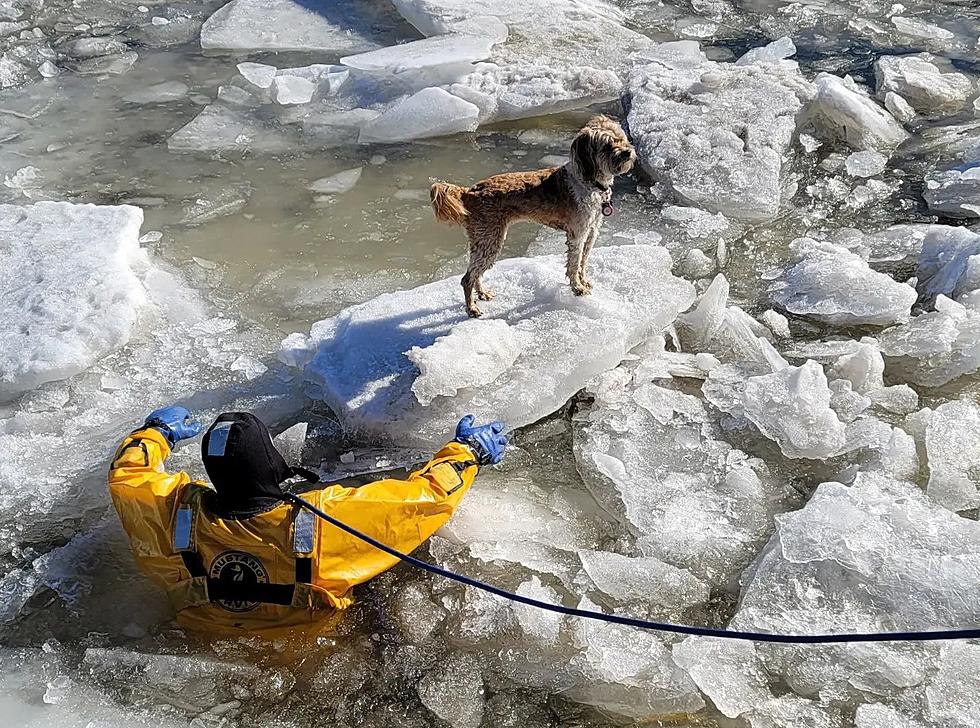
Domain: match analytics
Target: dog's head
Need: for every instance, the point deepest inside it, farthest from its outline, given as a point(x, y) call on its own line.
point(601, 150)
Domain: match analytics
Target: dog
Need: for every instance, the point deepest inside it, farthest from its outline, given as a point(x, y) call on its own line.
point(573, 198)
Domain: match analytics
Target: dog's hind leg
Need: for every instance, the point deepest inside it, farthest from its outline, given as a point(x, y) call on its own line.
point(586, 249)
point(573, 263)
point(485, 245)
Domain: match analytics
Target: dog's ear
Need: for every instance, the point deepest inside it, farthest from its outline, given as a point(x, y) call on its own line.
point(584, 155)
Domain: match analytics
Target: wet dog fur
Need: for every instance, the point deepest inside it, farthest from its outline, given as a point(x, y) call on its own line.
point(568, 198)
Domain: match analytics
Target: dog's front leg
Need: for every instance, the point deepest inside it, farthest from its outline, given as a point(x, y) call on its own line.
point(573, 263)
point(586, 249)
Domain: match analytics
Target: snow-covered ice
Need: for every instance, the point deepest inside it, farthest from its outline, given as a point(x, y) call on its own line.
point(566, 339)
point(71, 288)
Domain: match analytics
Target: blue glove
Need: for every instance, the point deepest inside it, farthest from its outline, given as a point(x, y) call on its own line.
point(485, 440)
point(176, 423)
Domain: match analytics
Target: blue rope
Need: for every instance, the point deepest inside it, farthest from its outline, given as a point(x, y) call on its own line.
point(801, 639)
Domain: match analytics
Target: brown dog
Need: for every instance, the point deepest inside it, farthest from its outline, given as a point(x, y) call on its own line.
point(572, 198)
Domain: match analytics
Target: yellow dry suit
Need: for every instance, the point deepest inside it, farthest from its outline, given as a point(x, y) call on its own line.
point(282, 567)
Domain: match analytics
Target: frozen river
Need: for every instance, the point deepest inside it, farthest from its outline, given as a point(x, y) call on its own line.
point(766, 416)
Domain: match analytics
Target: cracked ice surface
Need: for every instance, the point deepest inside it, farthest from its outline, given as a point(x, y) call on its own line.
point(363, 371)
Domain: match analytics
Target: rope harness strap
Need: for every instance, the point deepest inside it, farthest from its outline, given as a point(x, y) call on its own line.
point(804, 639)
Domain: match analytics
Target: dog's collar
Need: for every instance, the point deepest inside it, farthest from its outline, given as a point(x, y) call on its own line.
point(601, 187)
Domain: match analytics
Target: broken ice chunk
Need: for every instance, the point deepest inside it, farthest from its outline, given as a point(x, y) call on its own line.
point(954, 192)
point(438, 59)
point(775, 51)
point(430, 112)
point(862, 366)
point(338, 183)
point(629, 671)
point(899, 107)
point(842, 109)
point(158, 93)
point(525, 90)
point(470, 355)
point(727, 671)
point(832, 284)
point(865, 164)
point(792, 712)
point(792, 407)
point(453, 690)
point(920, 82)
point(953, 449)
point(540, 625)
point(258, 74)
point(643, 580)
point(290, 442)
point(292, 90)
point(65, 311)
point(945, 260)
point(715, 134)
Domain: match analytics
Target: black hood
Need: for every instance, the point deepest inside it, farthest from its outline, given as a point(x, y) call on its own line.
point(244, 466)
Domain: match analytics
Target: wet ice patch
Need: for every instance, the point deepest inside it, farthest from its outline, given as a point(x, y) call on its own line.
point(71, 288)
point(362, 372)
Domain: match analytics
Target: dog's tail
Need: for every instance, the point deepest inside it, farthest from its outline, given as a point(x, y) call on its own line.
point(447, 204)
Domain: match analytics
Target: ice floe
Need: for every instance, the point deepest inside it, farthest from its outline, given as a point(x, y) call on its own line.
point(564, 340)
point(72, 288)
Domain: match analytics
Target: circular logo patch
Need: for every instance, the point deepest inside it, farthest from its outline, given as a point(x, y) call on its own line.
point(238, 567)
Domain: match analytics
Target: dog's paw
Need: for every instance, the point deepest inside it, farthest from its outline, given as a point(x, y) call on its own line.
point(579, 289)
point(485, 295)
point(586, 285)
point(474, 312)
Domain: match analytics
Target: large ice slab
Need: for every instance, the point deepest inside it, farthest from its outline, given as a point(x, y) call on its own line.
point(285, 25)
point(831, 284)
point(715, 134)
point(580, 33)
point(843, 109)
point(71, 288)
point(363, 371)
